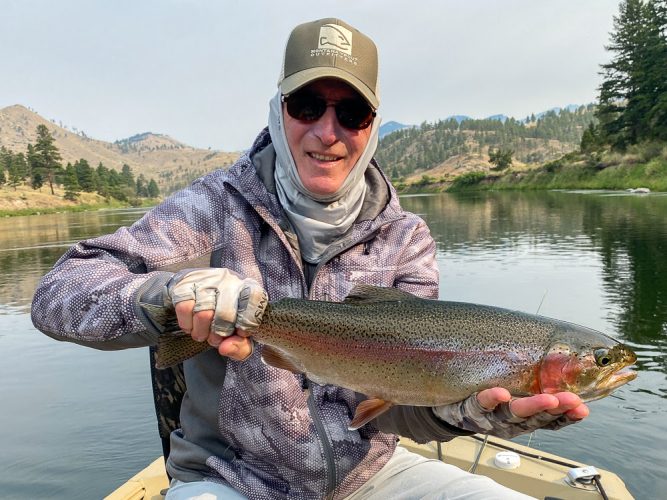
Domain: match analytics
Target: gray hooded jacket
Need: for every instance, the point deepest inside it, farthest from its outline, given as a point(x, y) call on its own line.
point(267, 432)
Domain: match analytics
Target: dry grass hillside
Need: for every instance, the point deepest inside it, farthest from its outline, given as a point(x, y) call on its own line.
point(171, 163)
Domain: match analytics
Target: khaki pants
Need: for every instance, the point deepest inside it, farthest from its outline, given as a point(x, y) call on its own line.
point(407, 476)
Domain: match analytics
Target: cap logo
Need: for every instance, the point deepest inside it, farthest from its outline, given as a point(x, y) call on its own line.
point(335, 37)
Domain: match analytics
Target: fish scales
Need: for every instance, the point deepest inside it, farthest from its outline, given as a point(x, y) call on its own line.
point(391, 347)
point(400, 349)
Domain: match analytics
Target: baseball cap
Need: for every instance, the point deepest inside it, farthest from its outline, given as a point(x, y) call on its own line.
point(334, 49)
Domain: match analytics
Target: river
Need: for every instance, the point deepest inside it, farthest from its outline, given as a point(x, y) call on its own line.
point(78, 422)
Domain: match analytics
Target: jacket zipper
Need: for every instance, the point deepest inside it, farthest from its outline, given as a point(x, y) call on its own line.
point(327, 446)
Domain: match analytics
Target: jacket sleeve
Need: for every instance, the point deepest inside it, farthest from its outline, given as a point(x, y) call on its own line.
point(417, 270)
point(91, 296)
point(418, 423)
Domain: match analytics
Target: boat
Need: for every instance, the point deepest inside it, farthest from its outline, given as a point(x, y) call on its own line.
point(522, 468)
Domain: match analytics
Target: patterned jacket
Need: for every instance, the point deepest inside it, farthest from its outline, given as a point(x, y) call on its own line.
point(267, 432)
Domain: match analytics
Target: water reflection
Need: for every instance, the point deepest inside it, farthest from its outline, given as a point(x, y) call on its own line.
point(627, 234)
point(592, 258)
point(29, 246)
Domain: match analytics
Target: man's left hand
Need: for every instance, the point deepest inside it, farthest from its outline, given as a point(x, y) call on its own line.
point(494, 411)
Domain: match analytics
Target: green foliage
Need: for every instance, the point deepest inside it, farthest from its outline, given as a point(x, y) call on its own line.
point(467, 180)
point(408, 150)
point(85, 176)
point(633, 94)
point(153, 190)
point(46, 157)
point(501, 158)
point(72, 188)
point(36, 181)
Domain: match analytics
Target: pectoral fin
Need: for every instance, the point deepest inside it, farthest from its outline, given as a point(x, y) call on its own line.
point(367, 411)
point(273, 357)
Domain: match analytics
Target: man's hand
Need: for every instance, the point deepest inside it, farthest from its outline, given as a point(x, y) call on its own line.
point(566, 403)
point(494, 411)
point(217, 306)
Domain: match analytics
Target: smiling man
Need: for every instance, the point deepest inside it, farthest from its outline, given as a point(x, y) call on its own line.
point(305, 213)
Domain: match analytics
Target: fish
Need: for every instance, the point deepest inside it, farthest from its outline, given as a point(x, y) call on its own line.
point(400, 349)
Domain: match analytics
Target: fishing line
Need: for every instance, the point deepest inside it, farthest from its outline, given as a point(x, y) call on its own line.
point(542, 301)
point(479, 454)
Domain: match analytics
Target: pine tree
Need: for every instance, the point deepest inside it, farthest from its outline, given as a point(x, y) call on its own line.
point(142, 186)
point(633, 100)
point(127, 176)
point(85, 176)
point(47, 157)
point(72, 188)
point(153, 190)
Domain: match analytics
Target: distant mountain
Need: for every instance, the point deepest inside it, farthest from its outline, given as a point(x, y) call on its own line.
point(570, 107)
point(500, 118)
point(171, 163)
point(389, 127)
point(458, 118)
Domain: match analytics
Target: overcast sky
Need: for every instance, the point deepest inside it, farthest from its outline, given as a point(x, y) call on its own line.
point(203, 71)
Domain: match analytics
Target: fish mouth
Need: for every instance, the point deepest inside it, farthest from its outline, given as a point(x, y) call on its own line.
point(610, 384)
point(622, 376)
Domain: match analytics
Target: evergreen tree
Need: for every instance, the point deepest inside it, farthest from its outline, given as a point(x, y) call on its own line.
point(102, 178)
point(47, 157)
point(127, 176)
point(13, 179)
point(37, 181)
point(501, 158)
point(153, 190)
point(142, 186)
point(85, 176)
point(3, 178)
point(21, 166)
point(633, 94)
point(72, 188)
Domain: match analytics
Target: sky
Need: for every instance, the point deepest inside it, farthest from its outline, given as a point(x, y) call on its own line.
point(203, 71)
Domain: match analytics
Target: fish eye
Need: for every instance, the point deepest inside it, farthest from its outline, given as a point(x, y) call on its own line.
point(602, 357)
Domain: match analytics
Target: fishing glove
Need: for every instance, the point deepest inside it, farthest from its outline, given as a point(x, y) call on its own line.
point(470, 415)
point(236, 302)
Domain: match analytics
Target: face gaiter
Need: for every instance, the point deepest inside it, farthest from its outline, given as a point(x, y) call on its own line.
point(318, 220)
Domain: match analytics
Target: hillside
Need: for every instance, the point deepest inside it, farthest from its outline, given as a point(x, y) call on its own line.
point(451, 147)
point(171, 163)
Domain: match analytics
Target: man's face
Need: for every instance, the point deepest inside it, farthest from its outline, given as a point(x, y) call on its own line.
point(324, 151)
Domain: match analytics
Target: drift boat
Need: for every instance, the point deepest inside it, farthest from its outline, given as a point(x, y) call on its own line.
point(522, 468)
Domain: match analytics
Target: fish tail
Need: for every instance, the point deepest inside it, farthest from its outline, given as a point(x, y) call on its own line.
point(172, 350)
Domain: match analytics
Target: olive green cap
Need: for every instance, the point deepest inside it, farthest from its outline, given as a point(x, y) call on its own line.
point(330, 48)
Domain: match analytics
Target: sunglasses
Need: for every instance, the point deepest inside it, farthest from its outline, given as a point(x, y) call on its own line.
point(354, 113)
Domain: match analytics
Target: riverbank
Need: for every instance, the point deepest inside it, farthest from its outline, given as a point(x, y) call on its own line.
point(639, 168)
point(579, 171)
point(27, 201)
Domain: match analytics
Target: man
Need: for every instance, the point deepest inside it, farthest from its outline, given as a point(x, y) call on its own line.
point(307, 213)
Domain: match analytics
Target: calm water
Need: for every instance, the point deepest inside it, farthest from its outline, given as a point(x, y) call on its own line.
point(78, 422)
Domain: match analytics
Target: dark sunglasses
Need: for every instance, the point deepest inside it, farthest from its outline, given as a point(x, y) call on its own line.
point(306, 106)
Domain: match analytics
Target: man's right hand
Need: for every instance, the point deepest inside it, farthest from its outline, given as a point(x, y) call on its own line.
point(217, 306)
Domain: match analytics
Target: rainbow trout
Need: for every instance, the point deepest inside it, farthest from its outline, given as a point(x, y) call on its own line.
point(397, 348)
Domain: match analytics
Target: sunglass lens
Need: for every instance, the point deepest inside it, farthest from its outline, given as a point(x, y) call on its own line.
point(306, 107)
point(354, 114)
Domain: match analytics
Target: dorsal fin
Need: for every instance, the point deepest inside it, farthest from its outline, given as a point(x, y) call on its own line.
point(369, 294)
point(368, 410)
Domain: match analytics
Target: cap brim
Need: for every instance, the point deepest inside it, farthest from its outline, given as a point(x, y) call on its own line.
point(306, 76)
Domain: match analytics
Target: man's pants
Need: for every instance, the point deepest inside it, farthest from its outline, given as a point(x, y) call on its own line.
point(407, 476)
